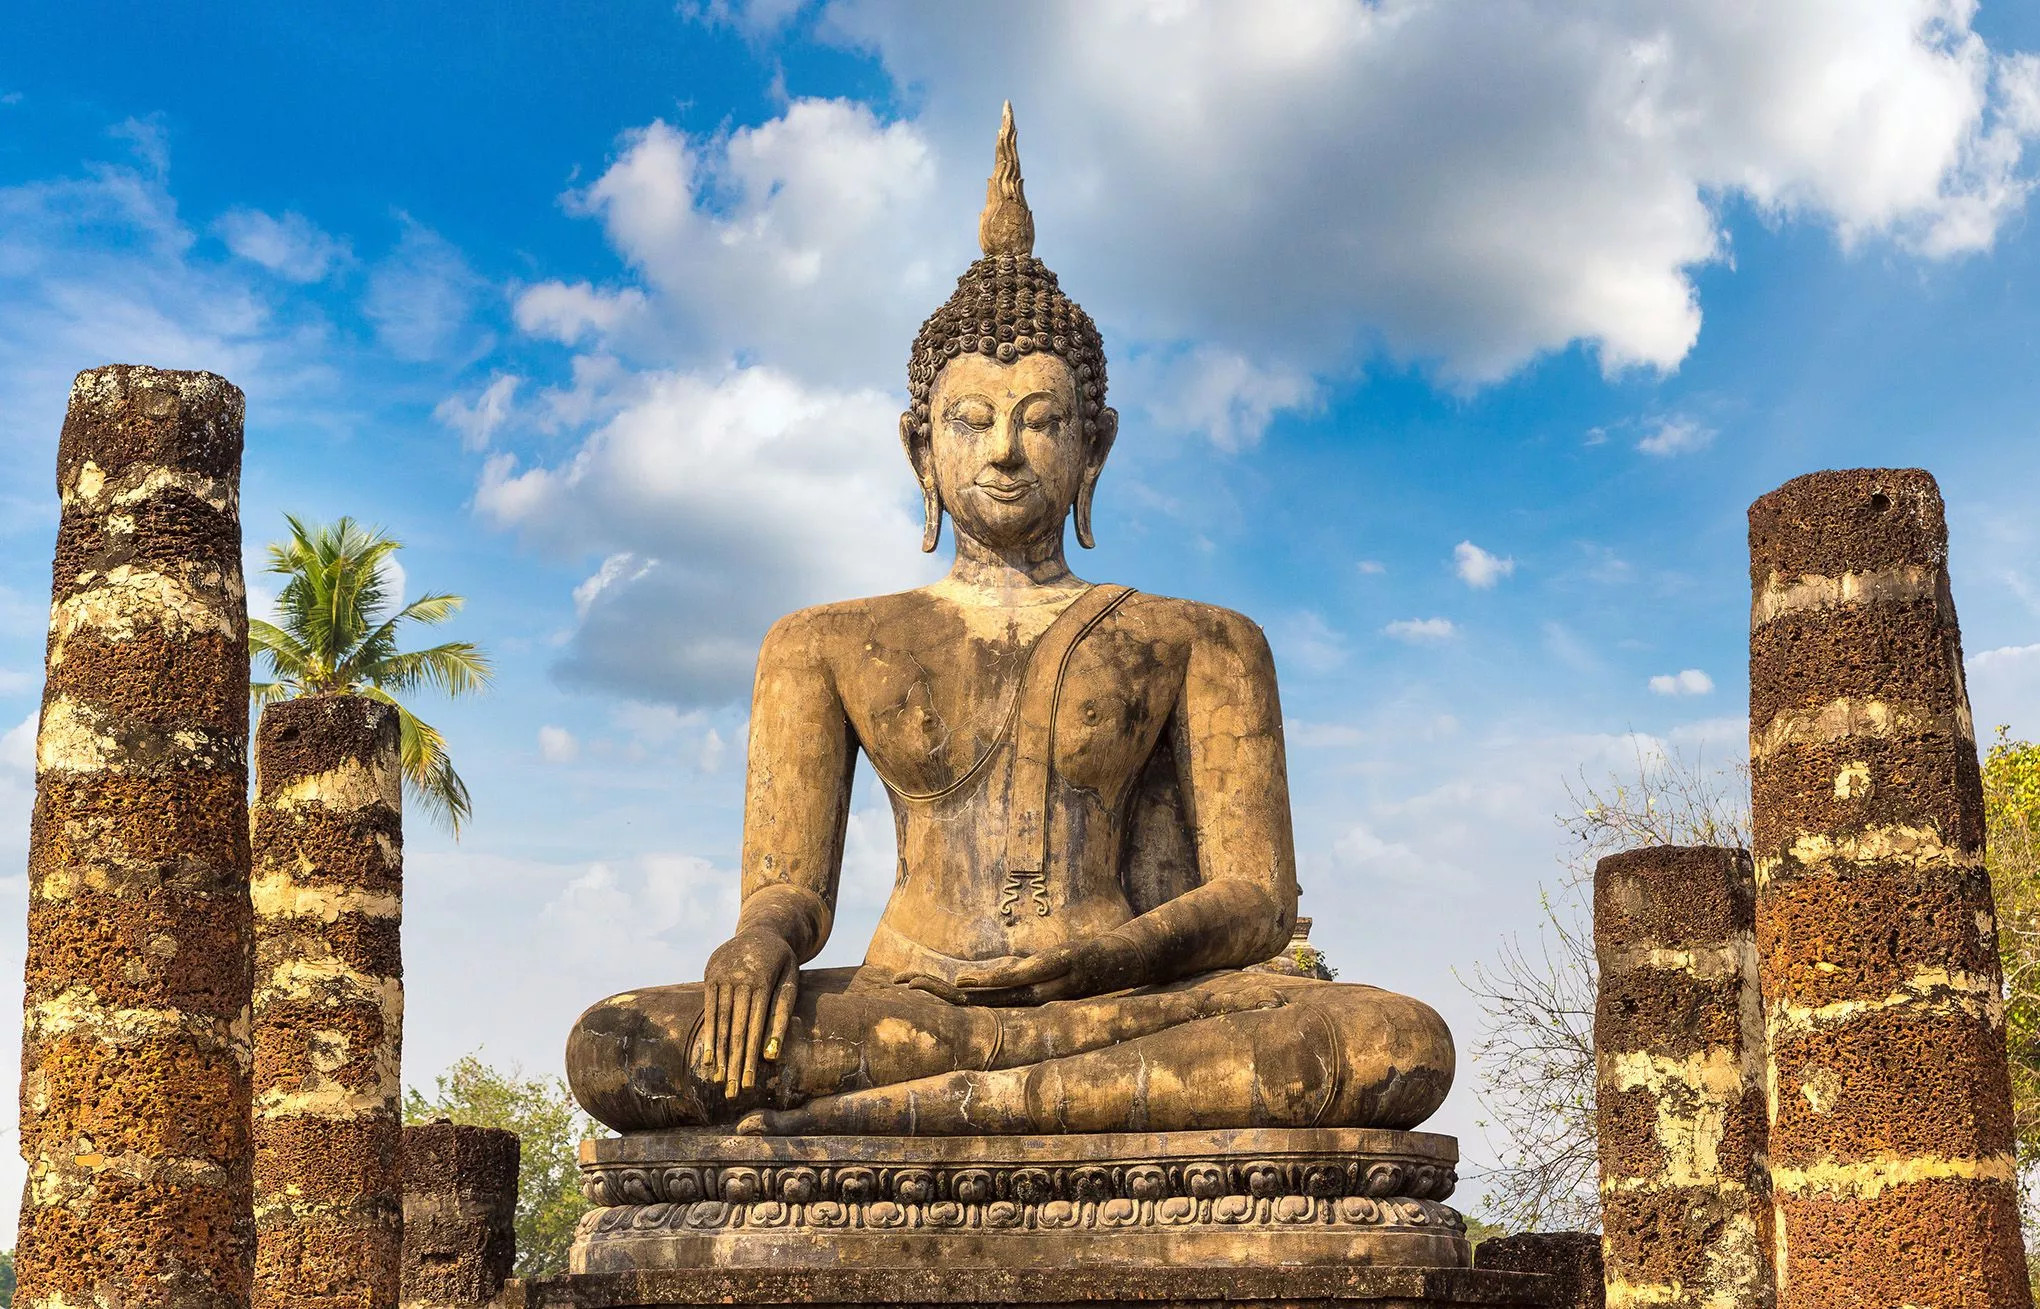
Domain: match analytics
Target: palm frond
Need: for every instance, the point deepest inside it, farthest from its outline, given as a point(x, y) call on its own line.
point(429, 778)
point(263, 693)
point(335, 633)
point(456, 668)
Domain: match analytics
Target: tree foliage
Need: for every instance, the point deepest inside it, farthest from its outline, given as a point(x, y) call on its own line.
point(2011, 804)
point(338, 633)
point(550, 1128)
point(1534, 1053)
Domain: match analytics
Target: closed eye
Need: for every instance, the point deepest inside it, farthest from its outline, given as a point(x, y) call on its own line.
point(974, 414)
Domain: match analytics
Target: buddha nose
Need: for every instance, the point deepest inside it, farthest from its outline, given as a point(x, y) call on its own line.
point(1007, 450)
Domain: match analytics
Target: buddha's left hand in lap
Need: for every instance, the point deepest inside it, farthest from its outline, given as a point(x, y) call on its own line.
point(1096, 965)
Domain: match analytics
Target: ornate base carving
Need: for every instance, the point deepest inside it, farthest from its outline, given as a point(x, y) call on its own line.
point(1042, 1288)
point(1316, 1196)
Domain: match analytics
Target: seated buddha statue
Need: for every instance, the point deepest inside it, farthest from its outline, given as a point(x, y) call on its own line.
point(1089, 793)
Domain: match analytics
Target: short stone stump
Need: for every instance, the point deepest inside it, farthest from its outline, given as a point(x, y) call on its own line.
point(1040, 1288)
point(1251, 1199)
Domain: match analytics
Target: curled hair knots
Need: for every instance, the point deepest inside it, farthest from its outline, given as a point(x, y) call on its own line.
point(1006, 306)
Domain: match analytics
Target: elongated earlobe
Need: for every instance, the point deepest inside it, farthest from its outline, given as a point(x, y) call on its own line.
point(1106, 430)
point(915, 440)
point(1083, 514)
point(931, 527)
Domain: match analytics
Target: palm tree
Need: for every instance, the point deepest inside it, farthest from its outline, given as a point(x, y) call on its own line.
point(335, 637)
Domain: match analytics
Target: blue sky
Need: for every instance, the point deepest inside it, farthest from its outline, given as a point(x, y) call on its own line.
point(1451, 342)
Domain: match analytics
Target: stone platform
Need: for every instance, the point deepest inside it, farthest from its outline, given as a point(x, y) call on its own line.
point(1036, 1288)
point(1258, 1199)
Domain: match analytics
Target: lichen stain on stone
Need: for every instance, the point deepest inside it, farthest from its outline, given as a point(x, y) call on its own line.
point(79, 1009)
point(351, 786)
point(1866, 1179)
point(1899, 843)
point(281, 895)
point(1935, 989)
point(1813, 591)
point(126, 599)
point(1846, 717)
point(1822, 1088)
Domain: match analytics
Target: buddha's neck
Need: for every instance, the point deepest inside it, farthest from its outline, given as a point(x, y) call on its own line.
point(1033, 573)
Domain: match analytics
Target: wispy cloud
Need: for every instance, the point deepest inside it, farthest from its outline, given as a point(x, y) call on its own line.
point(557, 745)
point(1676, 436)
point(291, 246)
point(1419, 630)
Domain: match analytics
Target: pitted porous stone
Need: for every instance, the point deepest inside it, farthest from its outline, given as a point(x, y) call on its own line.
point(1572, 1260)
point(1888, 1093)
point(460, 1210)
point(1329, 1196)
point(1679, 1051)
point(328, 1005)
point(135, 1044)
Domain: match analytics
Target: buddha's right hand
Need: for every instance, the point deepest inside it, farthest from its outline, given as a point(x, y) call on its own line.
point(749, 988)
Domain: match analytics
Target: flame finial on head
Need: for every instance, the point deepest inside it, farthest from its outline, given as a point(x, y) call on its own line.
point(1007, 226)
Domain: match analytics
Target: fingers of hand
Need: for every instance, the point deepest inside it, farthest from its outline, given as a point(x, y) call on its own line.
point(934, 986)
point(782, 1013)
point(739, 1034)
point(754, 1036)
point(1047, 964)
point(712, 1034)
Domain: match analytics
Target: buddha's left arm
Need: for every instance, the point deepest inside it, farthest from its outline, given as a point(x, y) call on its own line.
point(1235, 785)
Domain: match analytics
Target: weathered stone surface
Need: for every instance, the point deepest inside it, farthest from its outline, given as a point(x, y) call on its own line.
point(460, 1209)
point(135, 1050)
point(1890, 1140)
point(1679, 1054)
point(1572, 1260)
point(328, 1004)
point(1252, 1198)
point(1041, 1288)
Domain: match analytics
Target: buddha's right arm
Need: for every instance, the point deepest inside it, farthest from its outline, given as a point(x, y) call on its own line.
point(797, 794)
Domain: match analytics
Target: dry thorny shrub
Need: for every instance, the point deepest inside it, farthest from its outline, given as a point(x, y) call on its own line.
point(1534, 1055)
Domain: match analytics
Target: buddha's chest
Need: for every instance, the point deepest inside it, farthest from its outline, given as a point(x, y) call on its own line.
point(938, 715)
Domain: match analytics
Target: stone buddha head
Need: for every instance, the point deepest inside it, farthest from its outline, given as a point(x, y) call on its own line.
point(1008, 428)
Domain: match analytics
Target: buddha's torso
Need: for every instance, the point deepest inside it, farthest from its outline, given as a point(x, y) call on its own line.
point(929, 685)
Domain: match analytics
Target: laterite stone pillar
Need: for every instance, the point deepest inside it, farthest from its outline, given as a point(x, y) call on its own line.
point(329, 1004)
point(1679, 1055)
point(460, 1212)
point(1890, 1103)
point(135, 1054)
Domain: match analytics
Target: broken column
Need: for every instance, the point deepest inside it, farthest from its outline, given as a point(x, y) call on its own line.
point(328, 891)
point(1890, 1104)
point(1679, 1058)
point(1572, 1260)
point(460, 1212)
point(135, 1055)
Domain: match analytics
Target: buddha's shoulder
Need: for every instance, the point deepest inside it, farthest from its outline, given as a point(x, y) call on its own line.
point(1194, 622)
point(826, 627)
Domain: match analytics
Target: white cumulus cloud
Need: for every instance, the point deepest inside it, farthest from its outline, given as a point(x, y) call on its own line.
point(721, 501)
point(1689, 681)
point(1468, 181)
point(1478, 568)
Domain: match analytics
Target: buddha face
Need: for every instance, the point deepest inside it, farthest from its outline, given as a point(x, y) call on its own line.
point(1008, 452)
